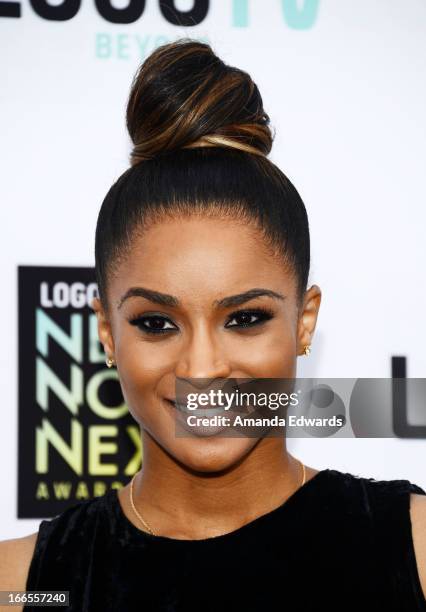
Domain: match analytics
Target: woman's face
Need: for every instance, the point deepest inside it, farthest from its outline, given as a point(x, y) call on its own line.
point(189, 328)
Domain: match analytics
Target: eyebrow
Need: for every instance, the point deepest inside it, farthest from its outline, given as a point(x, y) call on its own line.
point(164, 299)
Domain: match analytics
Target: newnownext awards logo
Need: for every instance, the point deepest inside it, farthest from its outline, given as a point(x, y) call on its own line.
point(76, 436)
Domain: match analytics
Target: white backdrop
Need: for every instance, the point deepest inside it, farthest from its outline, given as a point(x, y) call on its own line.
point(345, 88)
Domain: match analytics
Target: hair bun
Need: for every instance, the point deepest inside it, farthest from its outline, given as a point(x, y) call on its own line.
point(185, 96)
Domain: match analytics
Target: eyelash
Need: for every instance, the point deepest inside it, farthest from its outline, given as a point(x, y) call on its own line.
point(264, 315)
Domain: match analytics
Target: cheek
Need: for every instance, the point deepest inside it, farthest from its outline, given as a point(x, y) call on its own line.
point(140, 360)
point(274, 357)
point(268, 355)
point(140, 367)
point(138, 380)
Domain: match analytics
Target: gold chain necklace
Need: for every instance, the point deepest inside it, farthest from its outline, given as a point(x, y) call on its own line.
point(142, 520)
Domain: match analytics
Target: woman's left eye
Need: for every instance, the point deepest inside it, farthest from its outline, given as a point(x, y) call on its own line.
point(246, 317)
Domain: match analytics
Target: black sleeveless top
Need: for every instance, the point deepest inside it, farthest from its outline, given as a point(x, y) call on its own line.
point(340, 542)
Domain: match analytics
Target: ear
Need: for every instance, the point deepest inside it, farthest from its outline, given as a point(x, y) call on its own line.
point(308, 317)
point(104, 327)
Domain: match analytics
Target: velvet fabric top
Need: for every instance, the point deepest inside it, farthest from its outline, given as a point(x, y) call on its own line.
point(340, 542)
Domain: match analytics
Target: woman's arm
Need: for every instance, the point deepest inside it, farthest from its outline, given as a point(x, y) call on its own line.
point(418, 524)
point(15, 559)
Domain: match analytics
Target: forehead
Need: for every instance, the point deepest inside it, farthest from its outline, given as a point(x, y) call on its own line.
point(200, 256)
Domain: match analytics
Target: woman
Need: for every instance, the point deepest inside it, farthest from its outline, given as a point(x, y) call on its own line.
point(202, 261)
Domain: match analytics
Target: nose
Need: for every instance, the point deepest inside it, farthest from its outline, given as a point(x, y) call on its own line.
point(203, 356)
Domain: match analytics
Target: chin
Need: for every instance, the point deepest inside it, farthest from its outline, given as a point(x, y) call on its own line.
point(214, 454)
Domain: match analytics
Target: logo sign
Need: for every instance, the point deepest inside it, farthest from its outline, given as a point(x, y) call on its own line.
point(76, 435)
point(296, 14)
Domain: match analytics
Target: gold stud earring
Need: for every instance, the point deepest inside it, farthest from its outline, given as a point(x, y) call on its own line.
point(109, 362)
point(307, 349)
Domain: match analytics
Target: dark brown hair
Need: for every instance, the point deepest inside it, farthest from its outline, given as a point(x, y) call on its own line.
point(200, 143)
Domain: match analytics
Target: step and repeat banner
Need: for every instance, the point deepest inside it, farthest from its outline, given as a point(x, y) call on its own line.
point(342, 82)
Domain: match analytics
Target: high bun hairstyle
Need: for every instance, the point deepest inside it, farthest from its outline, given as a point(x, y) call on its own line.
point(184, 96)
point(200, 143)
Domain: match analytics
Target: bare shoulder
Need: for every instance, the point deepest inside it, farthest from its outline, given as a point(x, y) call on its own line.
point(418, 527)
point(15, 560)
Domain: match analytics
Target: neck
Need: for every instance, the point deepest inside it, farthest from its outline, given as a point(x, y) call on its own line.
point(180, 502)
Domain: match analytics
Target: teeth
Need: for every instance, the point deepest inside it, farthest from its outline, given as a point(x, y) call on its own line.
point(206, 411)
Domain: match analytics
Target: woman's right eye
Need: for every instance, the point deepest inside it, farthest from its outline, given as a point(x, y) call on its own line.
point(152, 324)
